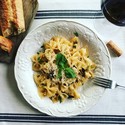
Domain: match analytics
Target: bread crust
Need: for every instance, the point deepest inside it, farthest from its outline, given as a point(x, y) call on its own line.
point(6, 44)
point(12, 17)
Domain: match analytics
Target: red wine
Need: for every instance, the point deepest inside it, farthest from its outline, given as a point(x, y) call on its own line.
point(114, 11)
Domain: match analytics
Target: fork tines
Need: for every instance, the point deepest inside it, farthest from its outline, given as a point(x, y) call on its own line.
point(106, 83)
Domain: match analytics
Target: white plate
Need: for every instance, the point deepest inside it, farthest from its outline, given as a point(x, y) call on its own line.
point(24, 75)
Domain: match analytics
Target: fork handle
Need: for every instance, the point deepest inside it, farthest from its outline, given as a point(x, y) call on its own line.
point(120, 86)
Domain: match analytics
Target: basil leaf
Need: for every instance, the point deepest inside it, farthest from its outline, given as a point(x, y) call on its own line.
point(58, 58)
point(69, 72)
point(61, 61)
point(59, 73)
point(62, 65)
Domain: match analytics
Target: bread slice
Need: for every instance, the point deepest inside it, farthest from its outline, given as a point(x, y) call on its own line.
point(6, 44)
point(12, 17)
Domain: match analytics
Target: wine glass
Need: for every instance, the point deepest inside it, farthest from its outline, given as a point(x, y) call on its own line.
point(114, 13)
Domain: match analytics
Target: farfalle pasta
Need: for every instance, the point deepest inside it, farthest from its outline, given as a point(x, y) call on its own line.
point(61, 68)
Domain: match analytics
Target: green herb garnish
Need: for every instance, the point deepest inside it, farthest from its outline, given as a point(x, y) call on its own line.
point(76, 34)
point(40, 60)
point(42, 46)
point(69, 72)
point(60, 73)
point(60, 98)
point(70, 97)
point(61, 61)
point(74, 46)
point(62, 65)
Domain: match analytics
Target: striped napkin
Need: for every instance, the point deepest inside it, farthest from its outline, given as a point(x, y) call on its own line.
point(110, 109)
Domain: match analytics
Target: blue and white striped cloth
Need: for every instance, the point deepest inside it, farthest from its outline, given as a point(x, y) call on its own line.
point(69, 14)
point(110, 109)
point(80, 119)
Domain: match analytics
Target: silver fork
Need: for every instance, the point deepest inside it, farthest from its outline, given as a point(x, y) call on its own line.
point(106, 83)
